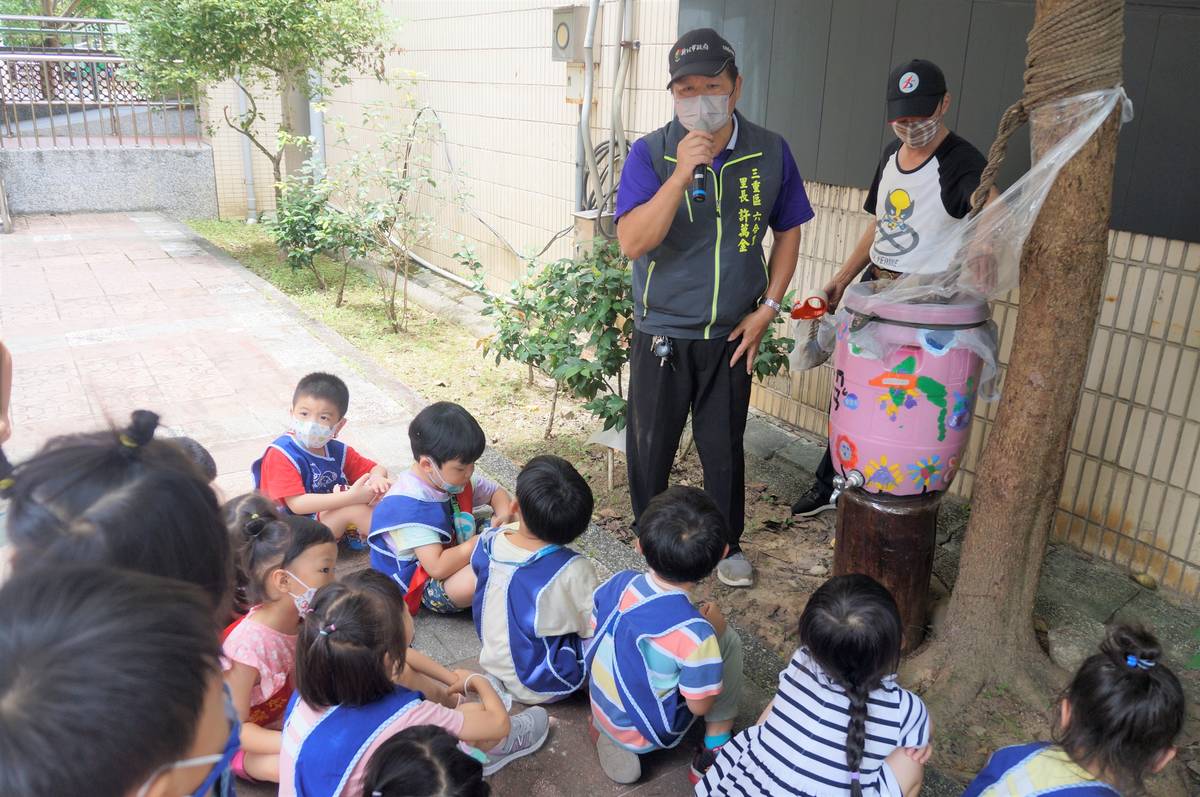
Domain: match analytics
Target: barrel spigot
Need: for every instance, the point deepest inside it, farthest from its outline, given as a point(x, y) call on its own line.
point(842, 483)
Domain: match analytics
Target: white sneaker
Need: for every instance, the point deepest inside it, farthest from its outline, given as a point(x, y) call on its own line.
point(528, 733)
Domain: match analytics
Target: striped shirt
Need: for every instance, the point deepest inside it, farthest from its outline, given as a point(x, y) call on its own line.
point(801, 747)
point(686, 659)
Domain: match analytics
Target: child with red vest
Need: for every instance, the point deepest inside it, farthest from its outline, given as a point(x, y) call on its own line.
point(308, 471)
point(423, 531)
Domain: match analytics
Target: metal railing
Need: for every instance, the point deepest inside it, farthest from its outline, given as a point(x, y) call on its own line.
point(61, 85)
point(59, 34)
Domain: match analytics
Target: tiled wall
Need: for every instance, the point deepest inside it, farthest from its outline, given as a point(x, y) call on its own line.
point(227, 150)
point(1132, 490)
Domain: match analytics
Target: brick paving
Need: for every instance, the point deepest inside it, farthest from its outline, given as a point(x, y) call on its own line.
point(107, 313)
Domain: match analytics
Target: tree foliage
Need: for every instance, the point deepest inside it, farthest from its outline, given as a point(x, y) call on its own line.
point(182, 46)
point(194, 43)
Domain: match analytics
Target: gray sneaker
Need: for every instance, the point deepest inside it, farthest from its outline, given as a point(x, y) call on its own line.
point(736, 570)
point(619, 764)
point(528, 732)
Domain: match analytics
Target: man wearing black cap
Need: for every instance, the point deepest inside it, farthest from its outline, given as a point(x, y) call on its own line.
point(921, 192)
point(704, 292)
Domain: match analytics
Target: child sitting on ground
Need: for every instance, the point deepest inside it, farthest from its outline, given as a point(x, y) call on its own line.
point(839, 724)
point(423, 531)
point(656, 661)
point(427, 755)
point(348, 655)
point(283, 563)
point(1116, 723)
point(110, 685)
point(118, 497)
point(309, 472)
point(533, 596)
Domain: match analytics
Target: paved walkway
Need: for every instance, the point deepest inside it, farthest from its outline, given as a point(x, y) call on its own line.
point(108, 313)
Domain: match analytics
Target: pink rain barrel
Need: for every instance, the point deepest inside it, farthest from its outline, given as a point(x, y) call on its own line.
point(902, 419)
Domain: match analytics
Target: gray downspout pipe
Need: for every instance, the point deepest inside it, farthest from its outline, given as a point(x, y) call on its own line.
point(248, 166)
point(585, 117)
point(316, 126)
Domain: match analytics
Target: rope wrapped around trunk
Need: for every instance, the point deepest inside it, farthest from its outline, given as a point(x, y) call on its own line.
point(1072, 50)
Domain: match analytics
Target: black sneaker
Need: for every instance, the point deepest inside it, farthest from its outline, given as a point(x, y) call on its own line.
point(701, 761)
point(814, 502)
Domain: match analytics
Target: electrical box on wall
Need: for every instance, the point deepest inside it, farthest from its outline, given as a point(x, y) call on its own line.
point(568, 34)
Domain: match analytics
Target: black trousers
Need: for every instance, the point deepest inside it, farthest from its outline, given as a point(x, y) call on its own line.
point(697, 380)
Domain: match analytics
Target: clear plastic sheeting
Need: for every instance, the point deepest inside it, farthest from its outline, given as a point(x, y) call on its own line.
point(867, 321)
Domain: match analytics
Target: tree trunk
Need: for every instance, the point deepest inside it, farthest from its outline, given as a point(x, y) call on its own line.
point(1021, 469)
point(345, 274)
point(553, 410)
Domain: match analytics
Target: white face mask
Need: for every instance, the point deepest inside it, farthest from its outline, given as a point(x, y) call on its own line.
point(311, 434)
point(304, 600)
point(917, 134)
point(704, 112)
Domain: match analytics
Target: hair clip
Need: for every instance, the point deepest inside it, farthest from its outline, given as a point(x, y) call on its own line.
point(1134, 663)
point(254, 516)
point(855, 776)
point(127, 441)
point(6, 483)
point(327, 630)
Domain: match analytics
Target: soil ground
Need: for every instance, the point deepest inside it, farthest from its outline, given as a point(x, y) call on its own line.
point(445, 361)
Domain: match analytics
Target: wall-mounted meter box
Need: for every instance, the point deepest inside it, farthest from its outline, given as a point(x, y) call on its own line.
point(569, 32)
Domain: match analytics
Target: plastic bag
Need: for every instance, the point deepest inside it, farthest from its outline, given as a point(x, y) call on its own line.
point(809, 352)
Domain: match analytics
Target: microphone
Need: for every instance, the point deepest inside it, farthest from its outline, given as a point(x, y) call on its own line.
point(699, 181)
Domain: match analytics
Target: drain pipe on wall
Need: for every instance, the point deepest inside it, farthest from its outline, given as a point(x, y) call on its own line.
point(585, 116)
point(247, 163)
point(316, 125)
point(616, 138)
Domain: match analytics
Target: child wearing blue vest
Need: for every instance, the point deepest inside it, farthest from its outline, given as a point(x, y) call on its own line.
point(423, 531)
point(309, 472)
point(533, 595)
point(656, 661)
point(350, 654)
point(1116, 723)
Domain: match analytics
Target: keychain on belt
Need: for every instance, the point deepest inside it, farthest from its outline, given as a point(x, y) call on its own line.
point(663, 349)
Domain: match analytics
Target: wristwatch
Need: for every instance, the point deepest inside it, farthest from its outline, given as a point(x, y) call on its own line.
point(774, 305)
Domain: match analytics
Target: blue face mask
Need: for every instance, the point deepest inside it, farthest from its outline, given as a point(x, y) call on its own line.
point(220, 761)
point(442, 484)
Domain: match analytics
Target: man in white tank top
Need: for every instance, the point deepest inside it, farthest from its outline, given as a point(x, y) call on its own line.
point(921, 192)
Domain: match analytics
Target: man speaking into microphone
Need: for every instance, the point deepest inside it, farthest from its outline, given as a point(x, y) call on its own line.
point(695, 201)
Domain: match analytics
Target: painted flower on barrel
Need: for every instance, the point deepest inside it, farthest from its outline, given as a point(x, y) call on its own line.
point(924, 471)
point(883, 475)
point(847, 452)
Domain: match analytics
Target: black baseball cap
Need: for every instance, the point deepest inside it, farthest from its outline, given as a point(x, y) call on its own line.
point(914, 89)
point(699, 52)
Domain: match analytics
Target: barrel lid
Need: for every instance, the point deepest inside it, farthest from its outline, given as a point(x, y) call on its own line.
point(961, 310)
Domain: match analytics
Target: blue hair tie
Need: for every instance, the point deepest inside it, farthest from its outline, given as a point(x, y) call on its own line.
point(1134, 663)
